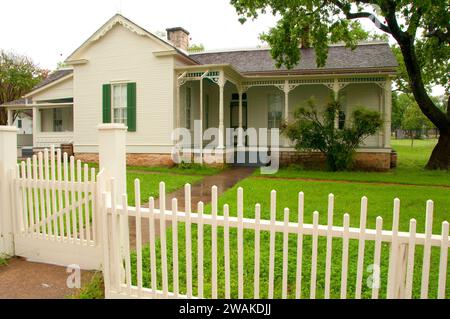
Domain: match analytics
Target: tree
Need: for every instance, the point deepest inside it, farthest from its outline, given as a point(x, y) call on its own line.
point(313, 131)
point(420, 27)
point(196, 47)
point(18, 75)
point(413, 121)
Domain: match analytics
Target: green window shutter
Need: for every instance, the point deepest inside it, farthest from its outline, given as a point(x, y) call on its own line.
point(131, 107)
point(106, 103)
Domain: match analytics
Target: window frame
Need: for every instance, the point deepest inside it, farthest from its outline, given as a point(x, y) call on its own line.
point(125, 100)
point(272, 122)
point(57, 127)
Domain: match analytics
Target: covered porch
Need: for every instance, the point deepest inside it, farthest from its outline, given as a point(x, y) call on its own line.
point(218, 96)
point(52, 121)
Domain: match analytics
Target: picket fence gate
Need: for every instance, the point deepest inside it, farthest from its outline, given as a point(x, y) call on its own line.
point(55, 217)
point(124, 267)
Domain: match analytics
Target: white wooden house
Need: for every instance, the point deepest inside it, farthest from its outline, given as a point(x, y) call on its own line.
point(125, 74)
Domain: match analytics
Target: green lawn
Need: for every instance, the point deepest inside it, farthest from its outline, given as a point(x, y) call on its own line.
point(150, 184)
point(410, 170)
point(347, 200)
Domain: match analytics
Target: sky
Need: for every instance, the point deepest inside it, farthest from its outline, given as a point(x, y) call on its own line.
point(48, 31)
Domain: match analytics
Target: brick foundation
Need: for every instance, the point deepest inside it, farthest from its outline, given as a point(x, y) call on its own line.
point(134, 159)
point(368, 161)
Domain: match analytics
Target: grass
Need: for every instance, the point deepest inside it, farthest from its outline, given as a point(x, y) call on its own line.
point(3, 261)
point(92, 290)
point(179, 170)
point(150, 184)
point(410, 170)
point(347, 200)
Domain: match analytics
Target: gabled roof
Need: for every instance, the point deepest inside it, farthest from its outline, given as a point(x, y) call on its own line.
point(365, 56)
point(130, 25)
point(52, 77)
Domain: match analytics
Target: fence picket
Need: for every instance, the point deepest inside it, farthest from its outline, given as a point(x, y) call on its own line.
point(175, 246)
point(240, 242)
point(93, 208)
point(53, 182)
point(344, 267)
point(30, 197)
point(273, 207)
point(49, 213)
point(393, 256)
point(361, 247)
point(285, 254)
point(87, 223)
point(214, 242)
point(151, 222)
point(411, 251)
point(329, 246)
point(41, 195)
point(200, 250)
point(115, 240)
point(162, 236)
point(66, 197)
point(315, 235)
point(24, 197)
point(298, 281)
point(226, 243)
point(376, 271)
point(443, 261)
point(124, 215)
point(60, 194)
point(137, 199)
point(73, 210)
point(427, 250)
point(257, 251)
point(35, 195)
point(80, 206)
point(187, 208)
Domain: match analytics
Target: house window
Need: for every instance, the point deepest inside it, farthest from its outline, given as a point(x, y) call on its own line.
point(275, 112)
point(57, 120)
point(119, 103)
point(341, 120)
point(19, 123)
point(187, 109)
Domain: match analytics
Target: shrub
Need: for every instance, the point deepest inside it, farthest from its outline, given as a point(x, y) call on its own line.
point(330, 133)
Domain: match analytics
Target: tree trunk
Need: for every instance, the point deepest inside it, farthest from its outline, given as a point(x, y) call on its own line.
point(440, 157)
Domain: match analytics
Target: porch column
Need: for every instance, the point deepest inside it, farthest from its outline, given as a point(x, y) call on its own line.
point(240, 131)
point(286, 108)
point(9, 114)
point(221, 110)
point(336, 90)
point(36, 124)
point(387, 113)
point(200, 144)
point(178, 106)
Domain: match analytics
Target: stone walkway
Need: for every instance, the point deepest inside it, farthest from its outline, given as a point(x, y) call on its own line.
point(200, 192)
point(21, 279)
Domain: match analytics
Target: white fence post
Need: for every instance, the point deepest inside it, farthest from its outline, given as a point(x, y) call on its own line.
point(112, 155)
point(8, 163)
point(112, 160)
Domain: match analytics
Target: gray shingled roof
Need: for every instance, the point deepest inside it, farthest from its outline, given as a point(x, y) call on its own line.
point(52, 77)
point(373, 55)
point(18, 102)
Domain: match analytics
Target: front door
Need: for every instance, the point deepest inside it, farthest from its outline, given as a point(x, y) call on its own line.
point(234, 114)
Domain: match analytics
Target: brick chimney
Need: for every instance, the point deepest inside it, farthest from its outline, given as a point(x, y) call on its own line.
point(179, 37)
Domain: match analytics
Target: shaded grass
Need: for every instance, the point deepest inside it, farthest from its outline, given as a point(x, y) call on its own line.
point(181, 170)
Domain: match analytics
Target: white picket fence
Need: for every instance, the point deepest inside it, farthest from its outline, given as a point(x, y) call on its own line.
point(55, 210)
point(124, 272)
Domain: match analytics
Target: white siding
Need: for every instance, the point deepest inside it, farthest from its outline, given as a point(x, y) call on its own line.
point(121, 55)
point(60, 90)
